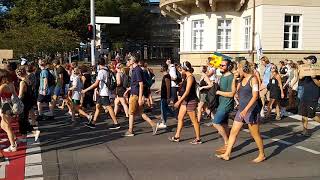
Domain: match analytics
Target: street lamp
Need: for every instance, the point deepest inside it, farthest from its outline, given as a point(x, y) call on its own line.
point(93, 23)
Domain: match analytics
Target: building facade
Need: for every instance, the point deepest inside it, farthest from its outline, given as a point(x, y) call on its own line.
point(286, 29)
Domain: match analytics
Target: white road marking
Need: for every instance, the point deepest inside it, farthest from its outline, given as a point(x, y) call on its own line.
point(33, 164)
point(286, 142)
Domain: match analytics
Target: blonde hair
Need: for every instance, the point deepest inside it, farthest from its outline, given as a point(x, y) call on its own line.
point(265, 59)
point(250, 66)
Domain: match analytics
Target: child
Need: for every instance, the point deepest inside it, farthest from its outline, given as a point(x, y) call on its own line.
point(76, 95)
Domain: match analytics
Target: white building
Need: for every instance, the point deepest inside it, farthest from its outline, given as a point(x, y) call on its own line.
point(287, 28)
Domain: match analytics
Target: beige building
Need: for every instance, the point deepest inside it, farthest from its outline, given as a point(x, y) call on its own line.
point(284, 28)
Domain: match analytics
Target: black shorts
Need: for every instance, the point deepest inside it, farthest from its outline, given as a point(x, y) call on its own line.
point(44, 98)
point(308, 108)
point(103, 101)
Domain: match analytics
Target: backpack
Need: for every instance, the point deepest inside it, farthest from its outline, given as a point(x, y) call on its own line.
point(212, 98)
point(147, 79)
point(66, 77)
point(51, 80)
point(111, 80)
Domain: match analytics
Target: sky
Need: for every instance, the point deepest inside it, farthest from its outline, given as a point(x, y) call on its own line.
point(154, 0)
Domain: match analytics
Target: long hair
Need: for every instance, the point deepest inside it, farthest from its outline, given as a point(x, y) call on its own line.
point(4, 76)
point(247, 66)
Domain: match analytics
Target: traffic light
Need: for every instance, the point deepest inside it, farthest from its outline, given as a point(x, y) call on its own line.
point(90, 32)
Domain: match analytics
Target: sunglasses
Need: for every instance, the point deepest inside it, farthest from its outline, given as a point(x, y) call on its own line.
point(223, 65)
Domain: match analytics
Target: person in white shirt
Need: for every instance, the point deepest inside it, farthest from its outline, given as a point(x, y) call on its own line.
point(103, 99)
point(76, 95)
point(174, 77)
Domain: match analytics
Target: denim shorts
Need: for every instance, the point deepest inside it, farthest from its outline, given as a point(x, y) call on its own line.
point(221, 117)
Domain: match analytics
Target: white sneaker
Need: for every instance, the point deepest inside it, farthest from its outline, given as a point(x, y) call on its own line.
point(262, 113)
point(162, 125)
point(10, 149)
point(36, 135)
point(90, 117)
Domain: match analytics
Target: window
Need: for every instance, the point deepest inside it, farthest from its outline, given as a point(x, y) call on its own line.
point(224, 35)
point(291, 31)
point(197, 34)
point(247, 32)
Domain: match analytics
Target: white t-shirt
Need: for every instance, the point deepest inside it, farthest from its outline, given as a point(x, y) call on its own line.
point(173, 74)
point(103, 78)
point(76, 95)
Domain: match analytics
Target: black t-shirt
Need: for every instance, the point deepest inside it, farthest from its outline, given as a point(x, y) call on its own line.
point(311, 90)
point(164, 86)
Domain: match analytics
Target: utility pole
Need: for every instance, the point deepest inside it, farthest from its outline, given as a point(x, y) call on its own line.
point(93, 40)
point(253, 30)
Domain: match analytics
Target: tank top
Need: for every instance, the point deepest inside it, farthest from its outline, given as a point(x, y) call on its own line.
point(193, 92)
point(274, 84)
point(245, 94)
point(203, 83)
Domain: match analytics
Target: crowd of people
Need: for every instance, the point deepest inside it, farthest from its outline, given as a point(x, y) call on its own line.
point(233, 87)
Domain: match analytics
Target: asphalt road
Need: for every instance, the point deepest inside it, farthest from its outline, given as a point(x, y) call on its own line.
point(80, 153)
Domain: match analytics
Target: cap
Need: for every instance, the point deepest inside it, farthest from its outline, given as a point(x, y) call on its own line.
point(312, 58)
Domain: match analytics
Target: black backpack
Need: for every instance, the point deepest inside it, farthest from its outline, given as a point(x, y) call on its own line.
point(66, 77)
point(212, 98)
point(51, 80)
point(111, 80)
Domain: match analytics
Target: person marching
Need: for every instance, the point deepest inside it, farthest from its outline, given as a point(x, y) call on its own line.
point(205, 84)
point(75, 89)
point(276, 91)
point(248, 112)
point(103, 99)
point(226, 102)
point(188, 104)
point(122, 84)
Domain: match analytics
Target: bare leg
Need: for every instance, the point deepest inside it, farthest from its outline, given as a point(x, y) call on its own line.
point(222, 131)
point(96, 114)
point(236, 127)
point(305, 122)
point(200, 106)
point(182, 113)
point(255, 133)
point(277, 108)
point(116, 106)
point(5, 125)
point(32, 116)
point(131, 120)
point(125, 106)
point(146, 118)
point(111, 112)
point(196, 126)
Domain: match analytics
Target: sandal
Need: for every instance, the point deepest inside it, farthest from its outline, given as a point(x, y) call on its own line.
point(196, 141)
point(174, 139)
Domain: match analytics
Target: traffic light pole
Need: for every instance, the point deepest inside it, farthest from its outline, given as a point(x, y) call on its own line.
point(93, 43)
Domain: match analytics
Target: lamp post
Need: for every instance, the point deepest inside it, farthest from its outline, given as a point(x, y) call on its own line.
point(253, 30)
point(93, 40)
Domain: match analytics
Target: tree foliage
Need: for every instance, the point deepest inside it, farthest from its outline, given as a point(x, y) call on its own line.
point(67, 18)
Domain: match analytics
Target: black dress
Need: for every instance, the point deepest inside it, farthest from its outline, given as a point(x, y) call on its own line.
point(275, 92)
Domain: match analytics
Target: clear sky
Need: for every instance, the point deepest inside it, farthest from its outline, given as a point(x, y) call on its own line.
point(154, 0)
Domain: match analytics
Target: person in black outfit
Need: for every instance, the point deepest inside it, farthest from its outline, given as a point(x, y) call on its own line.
point(25, 94)
point(276, 91)
point(310, 96)
point(188, 103)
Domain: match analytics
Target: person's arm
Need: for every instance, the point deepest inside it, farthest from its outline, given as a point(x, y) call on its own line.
point(93, 86)
point(280, 85)
point(207, 80)
point(229, 94)
point(210, 73)
point(188, 88)
point(258, 78)
point(255, 94)
point(167, 80)
point(295, 80)
point(316, 81)
point(22, 89)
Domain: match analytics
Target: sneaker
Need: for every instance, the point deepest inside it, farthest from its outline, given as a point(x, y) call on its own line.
point(306, 133)
point(36, 136)
point(162, 125)
point(278, 118)
point(90, 125)
point(154, 129)
point(10, 149)
point(128, 134)
point(115, 126)
point(196, 141)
